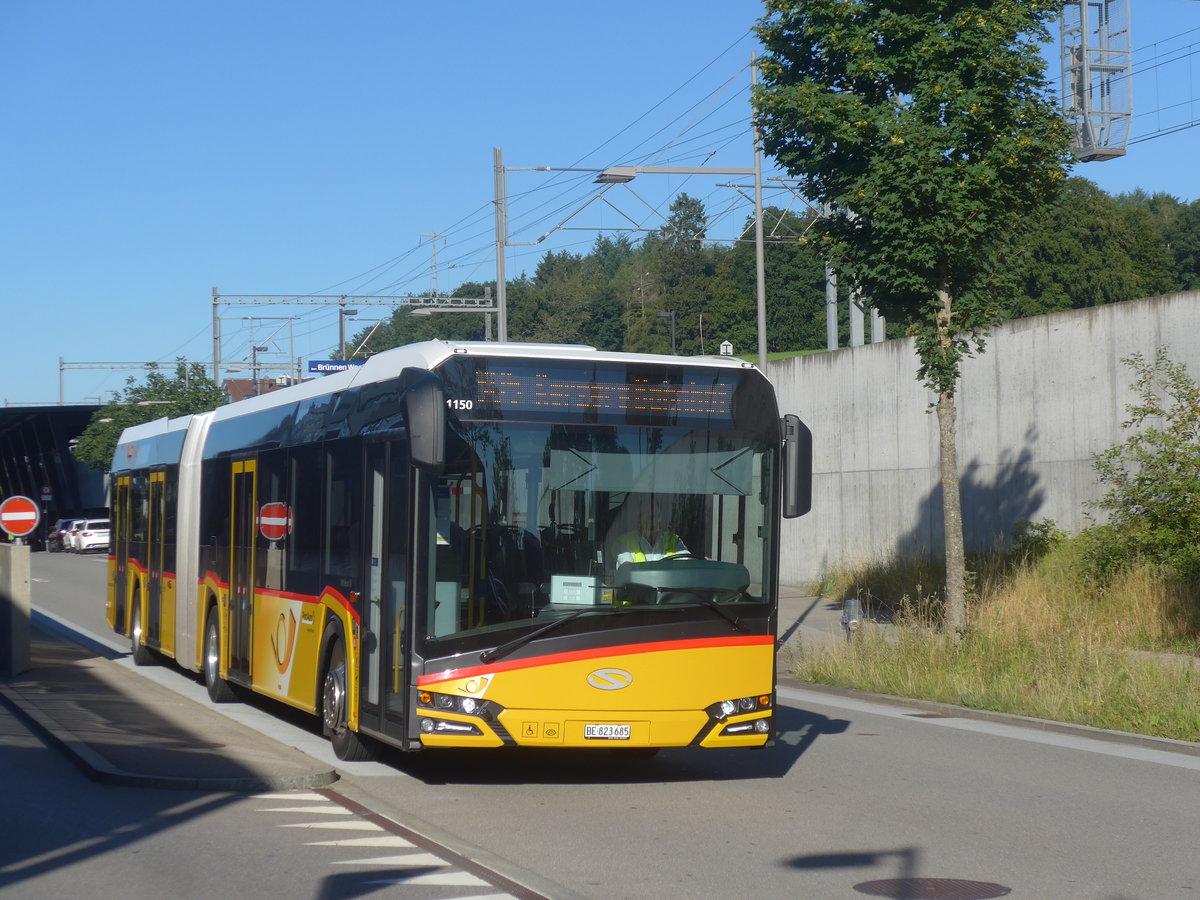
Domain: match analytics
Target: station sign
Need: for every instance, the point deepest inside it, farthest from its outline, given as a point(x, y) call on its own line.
point(329, 366)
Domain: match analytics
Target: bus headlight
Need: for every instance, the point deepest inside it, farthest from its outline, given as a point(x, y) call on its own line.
point(740, 706)
point(467, 706)
point(756, 726)
point(445, 726)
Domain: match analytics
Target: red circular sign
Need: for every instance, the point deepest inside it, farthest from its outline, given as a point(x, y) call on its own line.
point(275, 521)
point(19, 516)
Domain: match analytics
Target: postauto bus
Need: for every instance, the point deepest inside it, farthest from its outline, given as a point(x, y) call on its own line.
point(433, 549)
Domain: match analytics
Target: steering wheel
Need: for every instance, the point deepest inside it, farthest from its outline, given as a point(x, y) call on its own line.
point(688, 555)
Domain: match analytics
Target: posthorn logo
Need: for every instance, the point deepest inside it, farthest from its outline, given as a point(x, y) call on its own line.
point(610, 679)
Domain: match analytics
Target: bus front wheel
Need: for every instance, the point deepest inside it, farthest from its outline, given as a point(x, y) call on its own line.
point(335, 707)
point(219, 690)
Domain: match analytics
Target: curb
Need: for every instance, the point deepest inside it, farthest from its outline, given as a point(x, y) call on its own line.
point(948, 710)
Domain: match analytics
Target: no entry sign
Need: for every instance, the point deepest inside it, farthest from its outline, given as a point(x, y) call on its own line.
point(275, 521)
point(19, 516)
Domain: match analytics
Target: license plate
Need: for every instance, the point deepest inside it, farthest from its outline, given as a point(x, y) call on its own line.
point(606, 732)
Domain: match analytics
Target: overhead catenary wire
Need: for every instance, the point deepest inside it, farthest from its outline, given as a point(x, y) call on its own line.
point(686, 135)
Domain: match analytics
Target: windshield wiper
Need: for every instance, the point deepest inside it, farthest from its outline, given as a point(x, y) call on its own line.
point(723, 613)
point(488, 656)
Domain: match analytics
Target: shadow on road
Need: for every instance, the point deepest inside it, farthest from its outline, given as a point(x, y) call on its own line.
point(798, 730)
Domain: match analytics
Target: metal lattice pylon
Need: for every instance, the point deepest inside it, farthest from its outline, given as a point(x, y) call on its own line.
point(1097, 84)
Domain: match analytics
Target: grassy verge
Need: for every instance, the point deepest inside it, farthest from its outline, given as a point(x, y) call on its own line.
point(1043, 640)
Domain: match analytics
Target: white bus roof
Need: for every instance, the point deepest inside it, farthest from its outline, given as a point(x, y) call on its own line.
point(428, 355)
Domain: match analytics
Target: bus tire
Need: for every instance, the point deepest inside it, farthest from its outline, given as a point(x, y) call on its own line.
point(219, 690)
point(334, 701)
point(142, 656)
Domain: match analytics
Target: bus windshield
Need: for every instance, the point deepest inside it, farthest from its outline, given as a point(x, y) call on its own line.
point(531, 522)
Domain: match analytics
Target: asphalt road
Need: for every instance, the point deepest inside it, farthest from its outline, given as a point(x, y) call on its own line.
point(858, 798)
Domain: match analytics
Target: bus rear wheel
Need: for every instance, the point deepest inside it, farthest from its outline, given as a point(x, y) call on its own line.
point(219, 690)
point(335, 708)
point(139, 651)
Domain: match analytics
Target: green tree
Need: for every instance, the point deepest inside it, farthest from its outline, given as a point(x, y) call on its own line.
point(1183, 234)
point(188, 390)
point(795, 283)
point(1150, 254)
point(682, 273)
point(557, 308)
point(1078, 254)
point(929, 130)
point(602, 267)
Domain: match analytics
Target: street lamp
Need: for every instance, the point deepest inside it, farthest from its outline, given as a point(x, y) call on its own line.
point(670, 314)
point(626, 174)
point(614, 175)
point(342, 314)
point(254, 351)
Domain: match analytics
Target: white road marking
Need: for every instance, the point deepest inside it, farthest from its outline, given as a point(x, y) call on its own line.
point(387, 840)
point(351, 825)
point(411, 859)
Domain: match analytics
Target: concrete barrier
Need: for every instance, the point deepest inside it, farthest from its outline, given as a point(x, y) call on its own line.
point(14, 609)
point(1047, 394)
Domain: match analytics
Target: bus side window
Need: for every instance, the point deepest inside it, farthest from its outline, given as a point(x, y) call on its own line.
point(343, 519)
point(304, 495)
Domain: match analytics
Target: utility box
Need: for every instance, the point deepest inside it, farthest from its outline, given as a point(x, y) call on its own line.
point(14, 609)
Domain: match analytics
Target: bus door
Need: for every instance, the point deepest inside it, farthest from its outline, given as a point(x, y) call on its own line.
point(241, 569)
point(384, 671)
point(120, 548)
point(154, 558)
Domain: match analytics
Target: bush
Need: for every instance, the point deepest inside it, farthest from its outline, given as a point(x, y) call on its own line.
point(1153, 477)
point(1033, 540)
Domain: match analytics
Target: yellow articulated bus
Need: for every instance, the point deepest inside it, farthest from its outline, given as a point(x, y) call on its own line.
point(474, 545)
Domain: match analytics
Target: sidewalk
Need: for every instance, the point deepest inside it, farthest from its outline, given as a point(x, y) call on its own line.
point(122, 728)
point(805, 621)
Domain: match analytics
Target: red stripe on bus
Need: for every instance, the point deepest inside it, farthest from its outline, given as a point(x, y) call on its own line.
point(286, 595)
point(140, 567)
point(345, 603)
point(552, 659)
point(332, 593)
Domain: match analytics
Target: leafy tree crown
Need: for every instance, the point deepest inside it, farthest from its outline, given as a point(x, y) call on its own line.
point(928, 130)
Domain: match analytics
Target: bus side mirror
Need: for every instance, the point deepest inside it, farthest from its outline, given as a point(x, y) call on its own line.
point(426, 407)
point(797, 467)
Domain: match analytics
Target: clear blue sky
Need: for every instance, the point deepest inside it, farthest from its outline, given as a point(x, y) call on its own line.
point(155, 150)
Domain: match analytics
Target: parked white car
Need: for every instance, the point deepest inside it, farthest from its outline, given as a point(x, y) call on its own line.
point(70, 540)
point(93, 535)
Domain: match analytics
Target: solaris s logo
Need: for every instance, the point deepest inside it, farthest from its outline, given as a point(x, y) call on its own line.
point(610, 679)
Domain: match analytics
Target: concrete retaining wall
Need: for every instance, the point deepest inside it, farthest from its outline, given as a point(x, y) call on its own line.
point(1046, 394)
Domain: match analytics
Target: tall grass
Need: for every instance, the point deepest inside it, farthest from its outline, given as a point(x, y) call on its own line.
point(1044, 640)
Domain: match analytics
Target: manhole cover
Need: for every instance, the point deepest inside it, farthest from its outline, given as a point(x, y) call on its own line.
point(932, 889)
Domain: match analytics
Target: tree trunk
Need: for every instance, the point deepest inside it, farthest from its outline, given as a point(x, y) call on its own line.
point(952, 527)
point(956, 558)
